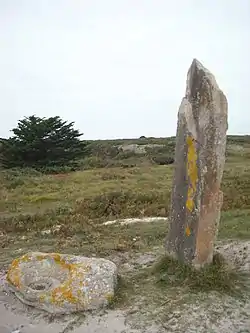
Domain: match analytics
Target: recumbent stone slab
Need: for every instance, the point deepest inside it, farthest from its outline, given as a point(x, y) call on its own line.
point(60, 283)
point(199, 163)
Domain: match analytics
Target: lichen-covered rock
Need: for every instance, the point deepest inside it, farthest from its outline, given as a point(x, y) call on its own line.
point(60, 283)
point(199, 163)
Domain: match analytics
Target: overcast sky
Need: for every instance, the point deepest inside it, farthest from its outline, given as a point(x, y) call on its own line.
point(118, 67)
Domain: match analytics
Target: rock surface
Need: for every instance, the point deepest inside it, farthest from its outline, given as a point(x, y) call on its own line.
point(60, 283)
point(199, 163)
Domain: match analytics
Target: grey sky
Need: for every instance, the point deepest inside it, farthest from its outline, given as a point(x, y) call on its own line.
point(118, 67)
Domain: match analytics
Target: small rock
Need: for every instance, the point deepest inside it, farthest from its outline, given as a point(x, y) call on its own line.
point(46, 232)
point(53, 230)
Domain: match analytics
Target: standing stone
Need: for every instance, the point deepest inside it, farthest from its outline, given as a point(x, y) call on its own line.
point(199, 162)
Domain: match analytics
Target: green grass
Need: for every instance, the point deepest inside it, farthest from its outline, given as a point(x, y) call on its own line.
point(235, 224)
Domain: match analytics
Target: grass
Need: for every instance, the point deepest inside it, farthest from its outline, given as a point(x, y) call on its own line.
point(214, 277)
point(31, 203)
point(166, 289)
point(80, 201)
point(40, 201)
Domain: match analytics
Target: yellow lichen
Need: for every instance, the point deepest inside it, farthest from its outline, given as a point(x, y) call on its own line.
point(188, 231)
point(192, 172)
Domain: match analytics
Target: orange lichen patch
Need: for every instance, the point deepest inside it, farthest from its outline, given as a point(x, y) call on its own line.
point(192, 172)
point(57, 259)
point(25, 258)
point(188, 231)
point(14, 273)
point(13, 276)
point(65, 291)
point(15, 264)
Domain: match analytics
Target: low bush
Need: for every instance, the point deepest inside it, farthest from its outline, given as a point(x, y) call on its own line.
point(163, 159)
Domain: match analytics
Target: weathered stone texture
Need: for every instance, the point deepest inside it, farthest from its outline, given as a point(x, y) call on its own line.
point(199, 163)
point(59, 283)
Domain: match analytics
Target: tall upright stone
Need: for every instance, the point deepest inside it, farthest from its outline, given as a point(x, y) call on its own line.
point(199, 162)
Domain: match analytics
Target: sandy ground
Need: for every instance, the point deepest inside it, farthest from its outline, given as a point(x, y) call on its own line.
point(18, 318)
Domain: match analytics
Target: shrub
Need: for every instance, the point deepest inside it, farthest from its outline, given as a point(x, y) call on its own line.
point(163, 159)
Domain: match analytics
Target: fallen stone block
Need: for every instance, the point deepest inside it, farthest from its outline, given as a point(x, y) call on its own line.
point(61, 283)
